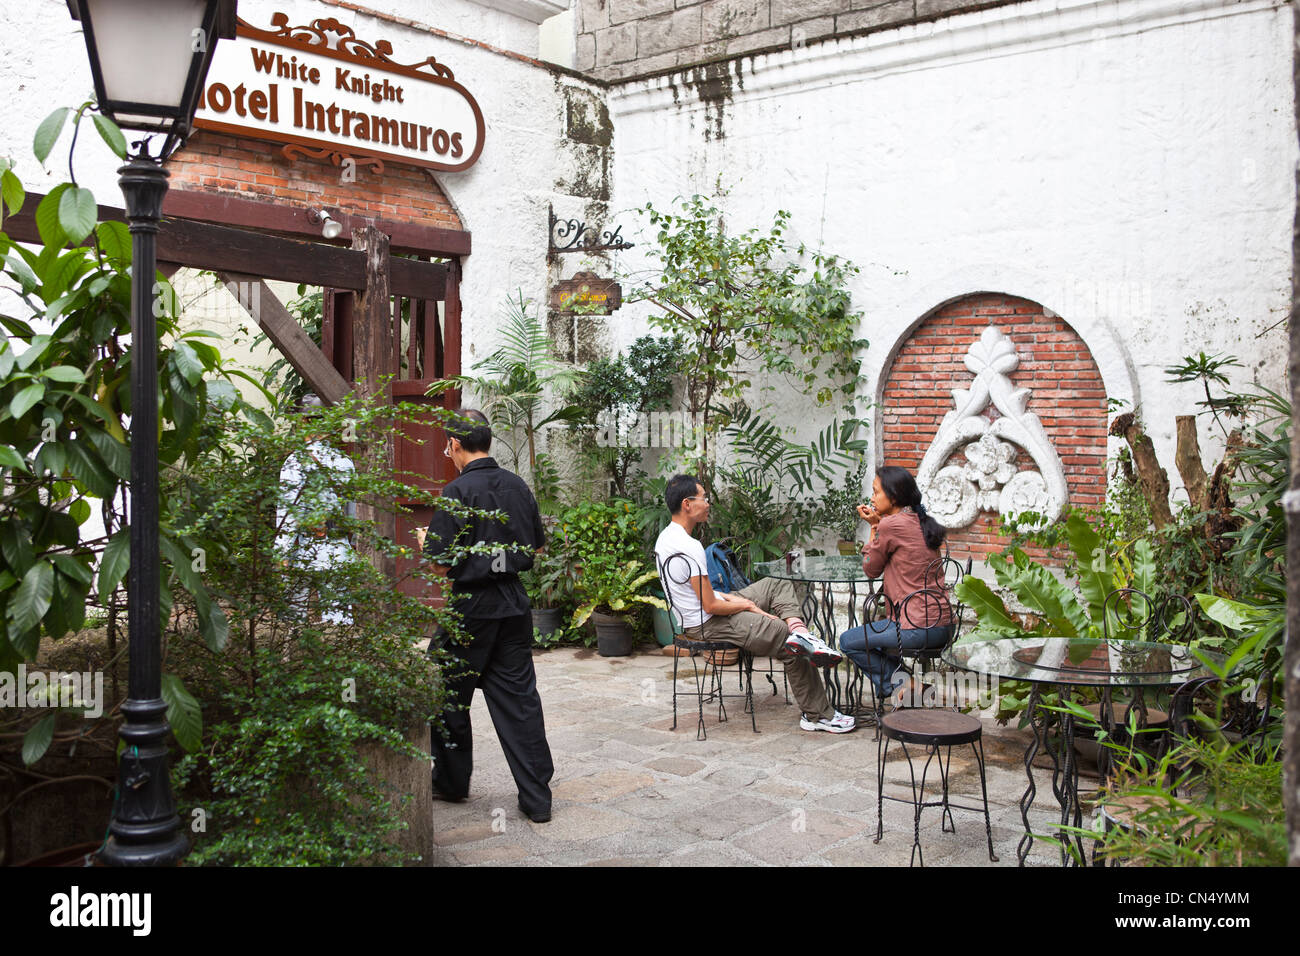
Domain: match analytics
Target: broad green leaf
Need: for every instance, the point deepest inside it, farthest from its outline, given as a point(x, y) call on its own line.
point(181, 565)
point(222, 393)
point(25, 643)
point(89, 469)
point(53, 458)
point(63, 373)
point(32, 599)
point(9, 458)
point(11, 192)
point(48, 133)
point(187, 362)
point(992, 615)
point(115, 454)
point(1233, 615)
point(113, 565)
point(56, 622)
point(27, 280)
point(183, 713)
point(212, 622)
point(48, 223)
point(114, 241)
point(77, 212)
point(39, 343)
point(1096, 575)
point(62, 529)
point(1145, 573)
point(24, 400)
point(16, 545)
point(258, 417)
point(164, 608)
point(59, 277)
point(37, 740)
point(73, 568)
point(1051, 600)
point(80, 511)
point(111, 134)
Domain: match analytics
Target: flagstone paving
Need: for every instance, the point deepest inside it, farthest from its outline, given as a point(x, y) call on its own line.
point(629, 790)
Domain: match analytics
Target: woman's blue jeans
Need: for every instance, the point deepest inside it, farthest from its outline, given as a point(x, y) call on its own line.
point(874, 649)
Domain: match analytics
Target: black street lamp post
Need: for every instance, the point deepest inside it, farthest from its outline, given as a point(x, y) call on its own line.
point(149, 59)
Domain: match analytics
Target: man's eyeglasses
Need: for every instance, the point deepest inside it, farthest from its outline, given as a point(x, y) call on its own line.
point(704, 498)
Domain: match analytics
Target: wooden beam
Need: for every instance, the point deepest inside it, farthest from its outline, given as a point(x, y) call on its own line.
point(219, 248)
point(451, 322)
point(201, 245)
point(279, 217)
point(286, 334)
point(372, 360)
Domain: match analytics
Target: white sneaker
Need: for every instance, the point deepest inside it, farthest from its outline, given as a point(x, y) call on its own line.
point(839, 724)
point(809, 645)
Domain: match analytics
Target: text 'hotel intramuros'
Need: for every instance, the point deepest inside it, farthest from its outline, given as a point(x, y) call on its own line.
point(264, 105)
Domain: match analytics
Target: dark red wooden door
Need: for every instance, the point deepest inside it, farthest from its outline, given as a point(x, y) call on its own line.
point(426, 347)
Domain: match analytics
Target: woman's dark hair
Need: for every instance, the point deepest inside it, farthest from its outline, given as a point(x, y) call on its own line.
point(900, 487)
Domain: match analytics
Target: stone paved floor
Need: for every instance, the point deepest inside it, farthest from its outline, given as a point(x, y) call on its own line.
point(629, 790)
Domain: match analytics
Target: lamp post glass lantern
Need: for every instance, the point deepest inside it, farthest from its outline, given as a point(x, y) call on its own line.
point(149, 59)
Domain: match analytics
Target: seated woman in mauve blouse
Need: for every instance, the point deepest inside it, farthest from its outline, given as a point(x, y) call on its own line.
point(903, 548)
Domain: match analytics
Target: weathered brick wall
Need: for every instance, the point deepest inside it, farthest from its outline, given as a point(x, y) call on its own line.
point(618, 39)
point(216, 162)
point(1067, 396)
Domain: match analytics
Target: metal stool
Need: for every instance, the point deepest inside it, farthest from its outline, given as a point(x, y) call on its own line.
point(933, 729)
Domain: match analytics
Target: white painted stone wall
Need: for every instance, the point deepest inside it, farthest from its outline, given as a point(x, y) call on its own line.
point(1130, 165)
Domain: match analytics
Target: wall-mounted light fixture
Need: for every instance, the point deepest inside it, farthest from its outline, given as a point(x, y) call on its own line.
point(330, 227)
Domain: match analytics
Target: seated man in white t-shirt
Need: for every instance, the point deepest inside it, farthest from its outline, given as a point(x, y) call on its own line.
point(762, 618)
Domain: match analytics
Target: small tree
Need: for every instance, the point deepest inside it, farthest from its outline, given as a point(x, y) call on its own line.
point(616, 394)
point(293, 700)
point(516, 381)
point(746, 302)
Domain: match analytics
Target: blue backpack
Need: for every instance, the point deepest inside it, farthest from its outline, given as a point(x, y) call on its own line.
point(724, 570)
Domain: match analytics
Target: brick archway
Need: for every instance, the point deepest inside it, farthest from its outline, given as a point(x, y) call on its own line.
point(1055, 363)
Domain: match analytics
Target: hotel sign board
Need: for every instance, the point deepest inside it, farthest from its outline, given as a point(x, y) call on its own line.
point(322, 88)
point(587, 292)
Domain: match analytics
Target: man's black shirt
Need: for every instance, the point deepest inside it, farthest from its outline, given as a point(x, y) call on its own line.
point(487, 585)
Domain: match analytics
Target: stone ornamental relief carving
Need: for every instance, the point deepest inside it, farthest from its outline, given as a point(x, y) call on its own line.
point(989, 480)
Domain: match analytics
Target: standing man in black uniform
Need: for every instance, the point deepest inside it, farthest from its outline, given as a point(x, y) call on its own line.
point(487, 592)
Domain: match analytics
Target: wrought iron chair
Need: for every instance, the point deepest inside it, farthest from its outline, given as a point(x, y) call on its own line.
point(925, 606)
point(1130, 614)
point(679, 568)
point(730, 543)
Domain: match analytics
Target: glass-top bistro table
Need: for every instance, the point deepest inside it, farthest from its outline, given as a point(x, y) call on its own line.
point(815, 578)
point(1073, 663)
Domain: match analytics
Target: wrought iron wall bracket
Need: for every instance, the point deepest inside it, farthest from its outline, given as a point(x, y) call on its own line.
point(574, 235)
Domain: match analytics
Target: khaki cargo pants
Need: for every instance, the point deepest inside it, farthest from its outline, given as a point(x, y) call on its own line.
point(764, 637)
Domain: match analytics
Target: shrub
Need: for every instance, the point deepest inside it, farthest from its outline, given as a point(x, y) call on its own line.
point(280, 776)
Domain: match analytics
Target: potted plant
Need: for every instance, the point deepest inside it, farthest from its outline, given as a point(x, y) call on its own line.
point(607, 589)
point(549, 584)
point(838, 511)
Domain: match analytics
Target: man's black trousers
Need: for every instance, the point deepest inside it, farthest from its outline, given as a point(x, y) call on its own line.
point(499, 660)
